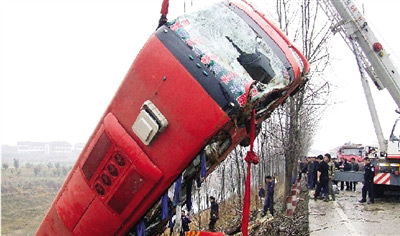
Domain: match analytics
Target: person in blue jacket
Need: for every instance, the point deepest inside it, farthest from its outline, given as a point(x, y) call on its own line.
point(185, 223)
point(269, 200)
point(369, 173)
point(214, 214)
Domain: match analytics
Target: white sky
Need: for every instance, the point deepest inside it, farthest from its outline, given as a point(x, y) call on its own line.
point(61, 61)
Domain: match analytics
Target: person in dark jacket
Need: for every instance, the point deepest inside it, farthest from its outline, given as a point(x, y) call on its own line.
point(310, 173)
point(347, 167)
point(302, 168)
point(185, 224)
point(369, 173)
point(316, 165)
point(353, 167)
point(343, 166)
point(214, 214)
point(317, 161)
point(269, 200)
point(322, 179)
point(261, 193)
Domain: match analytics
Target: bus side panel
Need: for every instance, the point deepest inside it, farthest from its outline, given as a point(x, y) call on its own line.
point(193, 116)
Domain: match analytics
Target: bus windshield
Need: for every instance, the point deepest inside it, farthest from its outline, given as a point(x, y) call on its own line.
point(232, 50)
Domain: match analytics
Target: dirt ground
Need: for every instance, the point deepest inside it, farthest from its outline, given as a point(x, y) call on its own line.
point(281, 225)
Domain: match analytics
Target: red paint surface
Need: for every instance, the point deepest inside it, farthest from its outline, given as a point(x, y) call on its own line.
point(85, 212)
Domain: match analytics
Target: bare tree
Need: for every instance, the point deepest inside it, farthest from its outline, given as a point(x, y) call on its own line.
point(304, 23)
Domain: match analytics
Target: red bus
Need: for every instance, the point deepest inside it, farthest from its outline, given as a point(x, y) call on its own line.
point(191, 88)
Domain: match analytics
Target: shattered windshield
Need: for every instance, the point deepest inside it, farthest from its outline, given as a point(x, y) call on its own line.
point(232, 51)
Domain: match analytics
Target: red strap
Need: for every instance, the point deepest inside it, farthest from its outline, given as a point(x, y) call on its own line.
point(164, 8)
point(246, 204)
point(251, 157)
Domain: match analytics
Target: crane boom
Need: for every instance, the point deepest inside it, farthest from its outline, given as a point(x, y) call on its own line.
point(371, 57)
point(370, 101)
point(376, 60)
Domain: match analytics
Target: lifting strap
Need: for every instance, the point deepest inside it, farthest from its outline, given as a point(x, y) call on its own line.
point(164, 203)
point(178, 184)
point(164, 12)
point(189, 194)
point(198, 182)
point(203, 164)
point(251, 158)
point(141, 228)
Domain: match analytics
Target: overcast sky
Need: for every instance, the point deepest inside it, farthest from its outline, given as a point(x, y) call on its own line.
point(63, 60)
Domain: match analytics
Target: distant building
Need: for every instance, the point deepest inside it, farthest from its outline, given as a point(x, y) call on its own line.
point(32, 149)
point(60, 149)
point(42, 150)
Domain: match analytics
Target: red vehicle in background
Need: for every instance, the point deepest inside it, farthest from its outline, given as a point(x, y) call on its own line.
point(351, 150)
point(191, 88)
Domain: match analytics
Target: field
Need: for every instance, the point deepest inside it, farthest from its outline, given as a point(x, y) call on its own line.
point(26, 194)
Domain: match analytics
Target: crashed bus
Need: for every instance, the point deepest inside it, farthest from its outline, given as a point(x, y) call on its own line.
point(191, 89)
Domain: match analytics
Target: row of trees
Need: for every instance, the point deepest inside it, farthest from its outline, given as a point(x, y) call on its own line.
point(16, 164)
point(58, 169)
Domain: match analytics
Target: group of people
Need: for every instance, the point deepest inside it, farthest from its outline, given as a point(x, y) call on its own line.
point(320, 172)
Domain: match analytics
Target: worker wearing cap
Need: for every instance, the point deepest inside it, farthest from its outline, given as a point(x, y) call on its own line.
point(369, 173)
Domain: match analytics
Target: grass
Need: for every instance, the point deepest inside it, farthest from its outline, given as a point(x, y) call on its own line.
point(26, 197)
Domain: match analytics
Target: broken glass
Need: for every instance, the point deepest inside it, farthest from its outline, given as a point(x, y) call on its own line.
point(233, 51)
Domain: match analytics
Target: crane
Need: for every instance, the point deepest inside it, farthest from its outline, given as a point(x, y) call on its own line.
point(374, 61)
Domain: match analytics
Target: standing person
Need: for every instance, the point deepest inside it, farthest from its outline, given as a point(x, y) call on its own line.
point(269, 201)
point(316, 164)
point(336, 165)
point(261, 193)
point(311, 173)
point(302, 167)
point(331, 174)
point(214, 214)
point(353, 167)
point(185, 223)
point(347, 167)
point(343, 166)
point(340, 166)
point(369, 173)
point(322, 178)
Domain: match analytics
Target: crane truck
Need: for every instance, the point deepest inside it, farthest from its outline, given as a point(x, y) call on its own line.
point(190, 93)
point(372, 60)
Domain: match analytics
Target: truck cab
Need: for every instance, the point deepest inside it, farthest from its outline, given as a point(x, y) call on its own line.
point(351, 150)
